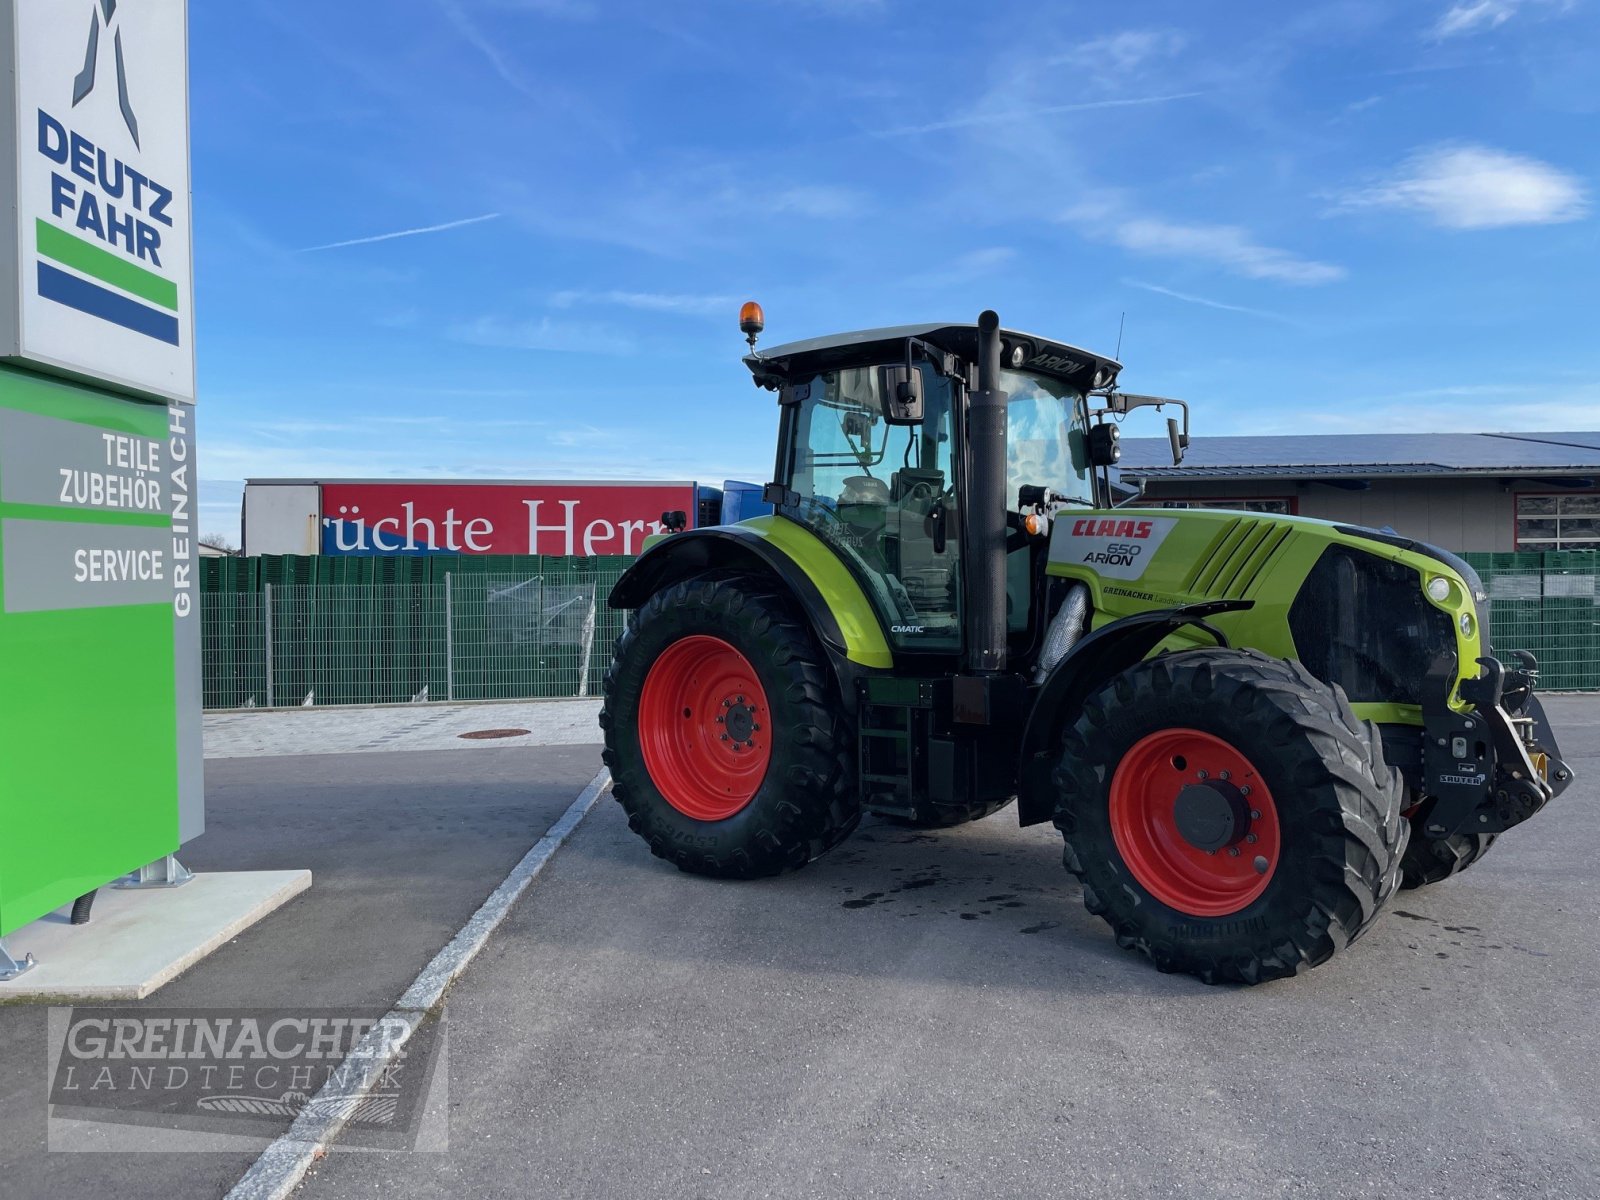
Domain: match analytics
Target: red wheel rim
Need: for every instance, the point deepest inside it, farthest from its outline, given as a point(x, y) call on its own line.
point(704, 728)
point(1145, 823)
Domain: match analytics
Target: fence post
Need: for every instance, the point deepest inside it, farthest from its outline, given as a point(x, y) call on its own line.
point(266, 625)
point(588, 644)
point(449, 642)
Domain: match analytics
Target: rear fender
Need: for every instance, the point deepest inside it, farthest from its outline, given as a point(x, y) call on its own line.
point(835, 608)
point(1100, 656)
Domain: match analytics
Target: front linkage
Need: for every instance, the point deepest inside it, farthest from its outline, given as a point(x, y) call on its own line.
point(1496, 765)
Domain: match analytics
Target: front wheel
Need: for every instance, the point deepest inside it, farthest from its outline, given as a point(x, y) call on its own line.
point(1229, 815)
point(726, 740)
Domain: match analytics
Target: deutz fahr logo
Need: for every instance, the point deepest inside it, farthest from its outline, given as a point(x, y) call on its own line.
point(84, 83)
point(100, 248)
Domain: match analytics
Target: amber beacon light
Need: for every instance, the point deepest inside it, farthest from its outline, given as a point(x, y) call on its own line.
point(751, 321)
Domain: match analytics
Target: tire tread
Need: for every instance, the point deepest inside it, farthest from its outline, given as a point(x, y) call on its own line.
point(818, 808)
point(1356, 861)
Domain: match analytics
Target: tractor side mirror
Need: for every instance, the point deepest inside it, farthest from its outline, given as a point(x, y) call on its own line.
point(1179, 441)
point(901, 388)
point(1105, 445)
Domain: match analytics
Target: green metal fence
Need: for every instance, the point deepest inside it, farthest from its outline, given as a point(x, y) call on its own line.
point(285, 631)
point(1548, 604)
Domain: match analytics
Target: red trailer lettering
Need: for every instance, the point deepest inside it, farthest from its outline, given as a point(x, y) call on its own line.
point(497, 518)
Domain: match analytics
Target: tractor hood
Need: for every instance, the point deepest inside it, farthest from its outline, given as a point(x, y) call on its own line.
point(1081, 368)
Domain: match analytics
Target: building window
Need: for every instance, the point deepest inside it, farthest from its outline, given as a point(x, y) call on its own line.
point(1261, 504)
point(1564, 521)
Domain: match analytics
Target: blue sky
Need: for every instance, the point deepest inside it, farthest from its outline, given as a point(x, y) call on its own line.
point(509, 238)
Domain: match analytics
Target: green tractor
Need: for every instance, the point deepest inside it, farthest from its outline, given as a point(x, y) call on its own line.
point(1249, 729)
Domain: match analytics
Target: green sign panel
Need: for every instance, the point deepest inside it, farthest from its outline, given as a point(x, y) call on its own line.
point(100, 741)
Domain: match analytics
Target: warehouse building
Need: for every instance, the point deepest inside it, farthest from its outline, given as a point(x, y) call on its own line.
point(1463, 491)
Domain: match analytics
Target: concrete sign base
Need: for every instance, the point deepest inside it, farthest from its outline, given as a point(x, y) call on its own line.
point(139, 940)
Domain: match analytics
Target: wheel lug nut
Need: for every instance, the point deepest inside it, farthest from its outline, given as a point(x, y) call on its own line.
point(1233, 852)
point(741, 699)
point(719, 720)
point(1224, 775)
point(1202, 775)
point(1245, 790)
point(724, 737)
point(754, 728)
point(1250, 837)
point(1255, 815)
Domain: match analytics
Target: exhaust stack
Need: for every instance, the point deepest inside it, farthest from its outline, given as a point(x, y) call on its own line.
point(984, 541)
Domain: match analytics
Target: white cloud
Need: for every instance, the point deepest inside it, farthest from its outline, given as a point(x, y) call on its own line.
point(1474, 15)
point(403, 233)
point(1479, 16)
point(1008, 115)
point(814, 200)
point(845, 8)
point(479, 41)
point(1228, 246)
point(541, 334)
point(1475, 187)
point(660, 302)
point(1188, 298)
point(1127, 51)
point(1468, 408)
point(964, 268)
point(684, 212)
point(580, 10)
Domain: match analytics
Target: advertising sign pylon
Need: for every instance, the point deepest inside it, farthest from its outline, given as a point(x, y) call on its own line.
point(100, 741)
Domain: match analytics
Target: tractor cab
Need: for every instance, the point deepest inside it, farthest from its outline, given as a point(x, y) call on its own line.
point(873, 459)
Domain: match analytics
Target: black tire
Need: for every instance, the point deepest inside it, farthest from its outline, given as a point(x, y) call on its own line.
point(1431, 860)
point(806, 803)
point(1337, 804)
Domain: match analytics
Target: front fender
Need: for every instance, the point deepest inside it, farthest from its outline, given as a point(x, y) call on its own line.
point(1099, 656)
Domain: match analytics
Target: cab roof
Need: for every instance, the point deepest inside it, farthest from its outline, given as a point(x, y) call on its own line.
point(1045, 356)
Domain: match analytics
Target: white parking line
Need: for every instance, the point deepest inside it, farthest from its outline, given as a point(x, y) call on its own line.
point(284, 1164)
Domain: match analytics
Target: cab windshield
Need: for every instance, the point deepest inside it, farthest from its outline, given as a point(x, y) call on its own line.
point(1045, 441)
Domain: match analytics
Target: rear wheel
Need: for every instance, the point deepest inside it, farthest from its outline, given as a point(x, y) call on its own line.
point(724, 734)
point(1430, 860)
point(1228, 815)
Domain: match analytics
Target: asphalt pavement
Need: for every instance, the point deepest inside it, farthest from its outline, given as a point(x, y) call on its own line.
point(403, 845)
point(934, 1014)
point(917, 1014)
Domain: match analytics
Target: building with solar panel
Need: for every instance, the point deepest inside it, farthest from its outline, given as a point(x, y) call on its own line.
point(1467, 492)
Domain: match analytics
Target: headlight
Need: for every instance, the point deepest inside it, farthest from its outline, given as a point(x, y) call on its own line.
point(1466, 624)
point(1439, 589)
